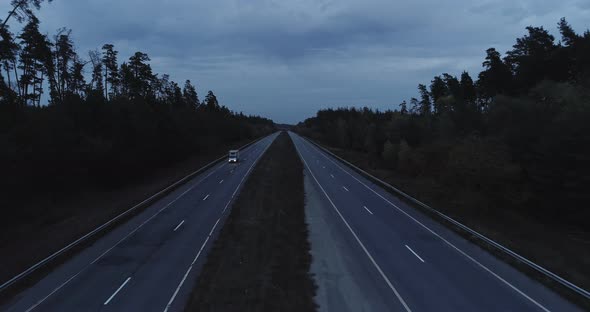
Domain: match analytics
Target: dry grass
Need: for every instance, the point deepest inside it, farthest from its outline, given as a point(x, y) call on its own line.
point(261, 260)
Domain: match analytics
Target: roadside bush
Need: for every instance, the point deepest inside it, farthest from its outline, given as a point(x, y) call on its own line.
point(484, 165)
point(390, 154)
point(409, 161)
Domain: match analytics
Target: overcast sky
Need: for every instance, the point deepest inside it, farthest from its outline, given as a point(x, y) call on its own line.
point(287, 59)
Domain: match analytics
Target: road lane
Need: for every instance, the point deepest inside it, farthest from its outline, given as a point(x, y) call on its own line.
point(145, 249)
point(347, 281)
point(456, 275)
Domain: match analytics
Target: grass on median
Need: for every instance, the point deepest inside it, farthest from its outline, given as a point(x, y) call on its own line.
point(261, 259)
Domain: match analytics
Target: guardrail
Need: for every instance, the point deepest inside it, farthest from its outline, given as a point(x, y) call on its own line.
point(150, 200)
point(554, 277)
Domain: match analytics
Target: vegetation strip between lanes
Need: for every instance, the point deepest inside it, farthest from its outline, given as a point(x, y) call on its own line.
point(261, 260)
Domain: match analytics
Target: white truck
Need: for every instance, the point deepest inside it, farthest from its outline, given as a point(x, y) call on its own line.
point(234, 156)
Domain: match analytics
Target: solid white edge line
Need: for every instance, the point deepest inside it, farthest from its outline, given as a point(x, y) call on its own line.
point(440, 237)
point(415, 254)
point(206, 197)
point(117, 291)
point(210, 233)
point(367, 209)
point(399, 297)
point(178, 288)
point(214, 226)
point(169, 304)
point(179, 224)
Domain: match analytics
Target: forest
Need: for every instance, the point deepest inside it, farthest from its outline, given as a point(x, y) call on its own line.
point(517, 136)
point(70, 121)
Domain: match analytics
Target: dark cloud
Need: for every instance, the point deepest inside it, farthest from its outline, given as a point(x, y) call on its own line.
point(286, 59)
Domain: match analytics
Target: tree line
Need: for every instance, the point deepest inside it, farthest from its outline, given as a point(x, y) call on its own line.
point(68, 121)
point(519, 133)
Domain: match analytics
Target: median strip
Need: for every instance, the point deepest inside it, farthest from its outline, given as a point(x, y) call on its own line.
point(260, 260)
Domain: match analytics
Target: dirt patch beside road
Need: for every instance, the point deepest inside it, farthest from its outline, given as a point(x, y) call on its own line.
point(261, 260)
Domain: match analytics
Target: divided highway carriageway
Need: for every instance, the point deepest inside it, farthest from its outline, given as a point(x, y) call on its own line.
point(403, 260)
point(397, 258)
point(150, 262)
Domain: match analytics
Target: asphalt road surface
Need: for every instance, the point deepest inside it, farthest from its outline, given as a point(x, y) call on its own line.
point(371, 252)
point(150, 262)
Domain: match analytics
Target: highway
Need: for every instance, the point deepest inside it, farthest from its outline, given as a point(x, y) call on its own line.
point(150, 262)
point(372, 252)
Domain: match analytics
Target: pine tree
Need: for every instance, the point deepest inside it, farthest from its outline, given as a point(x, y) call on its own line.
point(568, 35)
point(178, 98)
point(163, 89)
point(210, 102)
point(111, 71)
point(468, 88)
point(126, 78)
point(8, 54)
point(531, 58)
point(35, 59)
point(438, 89)
point(140, 85)
point(76, 83)
point(97, 83)
point(403, 108)
point(425, 105)
point(415, 106)
point(496, 78)
point(454, 97)
point(189, 94)
point(64, 57)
